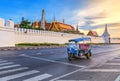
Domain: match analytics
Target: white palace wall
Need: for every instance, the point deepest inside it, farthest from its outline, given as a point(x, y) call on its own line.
point(9, 36)
point(36, 36)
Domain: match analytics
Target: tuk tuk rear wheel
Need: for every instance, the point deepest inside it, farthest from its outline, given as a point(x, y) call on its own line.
point(70, 56)
point(88, 55)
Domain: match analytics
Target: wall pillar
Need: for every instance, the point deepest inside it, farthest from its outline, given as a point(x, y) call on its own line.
point(7, 38)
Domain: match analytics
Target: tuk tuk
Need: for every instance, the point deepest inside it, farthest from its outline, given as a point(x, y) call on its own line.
point(79, 47)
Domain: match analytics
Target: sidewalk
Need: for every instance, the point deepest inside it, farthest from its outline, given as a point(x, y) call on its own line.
point(27, 48)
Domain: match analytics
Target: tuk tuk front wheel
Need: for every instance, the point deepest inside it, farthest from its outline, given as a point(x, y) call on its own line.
point(88, 55)
point(70, 56)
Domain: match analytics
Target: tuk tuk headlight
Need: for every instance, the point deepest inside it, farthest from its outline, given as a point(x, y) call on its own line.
point(75, 48)
point(70, 49)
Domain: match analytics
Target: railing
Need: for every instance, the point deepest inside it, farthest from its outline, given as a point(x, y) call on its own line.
point(46, 33)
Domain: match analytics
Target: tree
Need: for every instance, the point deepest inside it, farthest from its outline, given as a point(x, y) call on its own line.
point(25, 24)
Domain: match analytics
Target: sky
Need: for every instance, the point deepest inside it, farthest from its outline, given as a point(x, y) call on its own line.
point(88, 14)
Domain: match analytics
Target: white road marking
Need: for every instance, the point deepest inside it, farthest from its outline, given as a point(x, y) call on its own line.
point(40, 77)
point(113, 64)
point(44, 59)
point(6, 78)
point(101, 70)
point(12, 70)
point(86, 70)
point(9, 66)
point(66, 74)
point(117, 57)
point(118, 78)
point(6, 63)
point(72, 80)
point(3, 61)
point(70, 64)
point(115, 60)
point(52, 52)
point(38, 53)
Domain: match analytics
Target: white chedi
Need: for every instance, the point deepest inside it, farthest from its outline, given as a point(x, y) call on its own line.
point(10, 23)
point(106, 35)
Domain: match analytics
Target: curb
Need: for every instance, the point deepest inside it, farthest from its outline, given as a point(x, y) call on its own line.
point(29, 48)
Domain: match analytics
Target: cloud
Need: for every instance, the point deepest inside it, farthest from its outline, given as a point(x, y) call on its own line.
point(97, 16)
point(114, 24)
point(87, 25)
point(100, 12)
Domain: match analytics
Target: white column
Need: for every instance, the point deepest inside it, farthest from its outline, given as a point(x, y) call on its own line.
point(1, 22)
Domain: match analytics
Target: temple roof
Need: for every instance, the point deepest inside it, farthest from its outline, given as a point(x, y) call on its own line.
point(64, 26)
point(47, 25)
point(92, 33)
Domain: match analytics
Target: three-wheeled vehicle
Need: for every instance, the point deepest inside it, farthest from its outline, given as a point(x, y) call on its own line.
point(79, 47)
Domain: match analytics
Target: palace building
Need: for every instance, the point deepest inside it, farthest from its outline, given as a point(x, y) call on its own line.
point(37, 25)
point(53, 26)
point(92, 33)
point(58, 26)
point(17, 25)
point(42, 24)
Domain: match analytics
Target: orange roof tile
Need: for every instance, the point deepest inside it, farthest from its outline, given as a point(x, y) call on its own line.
point(65, 26)
point(92, 33)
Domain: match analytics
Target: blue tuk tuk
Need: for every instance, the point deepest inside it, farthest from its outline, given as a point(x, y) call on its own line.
point(79, 47)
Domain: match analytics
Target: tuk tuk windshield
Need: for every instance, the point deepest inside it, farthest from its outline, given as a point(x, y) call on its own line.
point(71, 43)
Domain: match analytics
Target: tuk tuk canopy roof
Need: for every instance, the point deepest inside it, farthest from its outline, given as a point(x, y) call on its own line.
point(81, 39)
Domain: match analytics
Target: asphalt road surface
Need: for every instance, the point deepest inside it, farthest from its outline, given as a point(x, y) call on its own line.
point(51, 64)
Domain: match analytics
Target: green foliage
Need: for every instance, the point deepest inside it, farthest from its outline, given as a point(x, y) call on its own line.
point(75, 32)
point(41, 28)
point(39, 44)
point(54, 44)
point(37, 28)
point(25, 24)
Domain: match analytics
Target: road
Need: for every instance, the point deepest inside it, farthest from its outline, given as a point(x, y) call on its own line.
point(51, 64)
